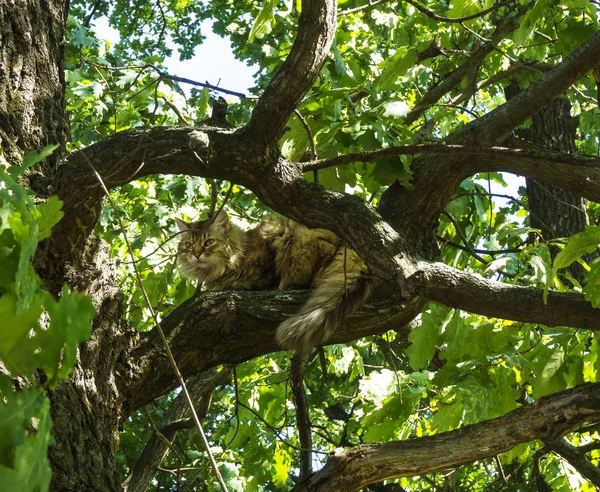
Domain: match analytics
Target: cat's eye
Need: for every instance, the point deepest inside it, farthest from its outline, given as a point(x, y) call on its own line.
point(187, 244)
point(209, 242)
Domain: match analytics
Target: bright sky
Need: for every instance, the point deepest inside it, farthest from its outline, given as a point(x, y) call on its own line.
point(213, 61)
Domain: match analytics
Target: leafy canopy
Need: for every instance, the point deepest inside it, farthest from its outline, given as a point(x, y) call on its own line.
point(457, 368)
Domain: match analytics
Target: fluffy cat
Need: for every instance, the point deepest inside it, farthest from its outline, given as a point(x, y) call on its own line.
point(278, 254)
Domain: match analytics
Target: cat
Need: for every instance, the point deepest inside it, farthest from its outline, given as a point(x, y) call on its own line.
point(278, 254)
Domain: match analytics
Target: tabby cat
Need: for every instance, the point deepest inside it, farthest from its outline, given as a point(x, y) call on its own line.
point(278, 254)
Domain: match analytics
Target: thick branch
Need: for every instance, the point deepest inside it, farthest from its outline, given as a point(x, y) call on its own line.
point(498, 123)
point(470, 292)
point(548, 418)
point(435, 180)
point(218, 328)
point(229, 327)
point(316, 29)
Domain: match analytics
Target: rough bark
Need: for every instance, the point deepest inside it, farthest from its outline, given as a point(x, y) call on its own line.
point(316, 29)
point(87, 408)
point(32, 96)
point(547, 418)
point(231, 327)
point(557, 212)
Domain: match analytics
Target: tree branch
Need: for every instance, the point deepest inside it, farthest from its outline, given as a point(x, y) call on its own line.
point(469, 292)
point(200, 386)
point(230, 327)
point(471, 65)
point(498, 123)
point(576, 458)
point(435, 180)
point(547, 418)
point(316, 29)
point(431, 14)
point(529, 152)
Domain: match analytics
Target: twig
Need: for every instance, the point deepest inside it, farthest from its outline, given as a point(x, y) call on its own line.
point(162, 334)
point(161, 436)
point(175, 110)
point(433, 15)
point(311, 139)
point(362, 7)
point(213, 197)
point(499, 465)
point(508, 197)
point(480, 251)
point(237, 405)
point(302, 416)
point(464, 239)
point(226, 199)
point(164, 75)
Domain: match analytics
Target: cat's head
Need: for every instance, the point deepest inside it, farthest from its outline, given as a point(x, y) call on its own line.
point(207, 248)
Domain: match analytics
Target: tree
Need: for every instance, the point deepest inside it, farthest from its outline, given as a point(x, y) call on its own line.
point(477, 354)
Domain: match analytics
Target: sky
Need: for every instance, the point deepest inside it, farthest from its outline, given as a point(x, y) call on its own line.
point(213, 61)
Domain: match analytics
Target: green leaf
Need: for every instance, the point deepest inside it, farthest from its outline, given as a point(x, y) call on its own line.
point(26, 281)
point(282, 466)
point(580, 244)
point(427, 336)
point(395, 109)
point(204, 103)
point(15, 334)
point(378, 386)
point(395, 68)
point(70, 324)
point(15, 418)
point(264, 21)
point(34, 157)
point(341, 365)
point(9, 259)
point(591, 289)
point(31, 470)
point(458, 336)
point(548, 369)
point(50, 214)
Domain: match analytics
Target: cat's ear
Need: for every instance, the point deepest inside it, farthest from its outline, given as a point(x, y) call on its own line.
point(183, 226)
point(221, 220)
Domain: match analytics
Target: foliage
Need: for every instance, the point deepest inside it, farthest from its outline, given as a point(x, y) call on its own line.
point(459, 368)
point(38, 336)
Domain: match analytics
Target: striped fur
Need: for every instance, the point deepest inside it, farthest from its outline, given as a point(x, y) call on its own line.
point(279, 254)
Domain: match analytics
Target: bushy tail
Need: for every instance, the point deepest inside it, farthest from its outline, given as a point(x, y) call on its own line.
point(339, 290)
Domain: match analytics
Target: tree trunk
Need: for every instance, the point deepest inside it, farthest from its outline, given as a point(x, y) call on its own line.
point(84, 409)
point(32, 83)
point(556, 212)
